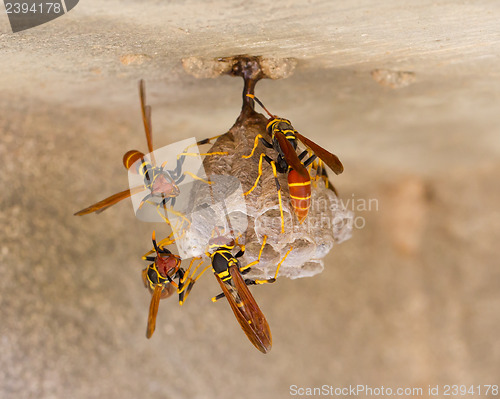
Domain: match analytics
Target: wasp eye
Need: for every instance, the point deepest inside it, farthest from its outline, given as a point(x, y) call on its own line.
point(152, 275)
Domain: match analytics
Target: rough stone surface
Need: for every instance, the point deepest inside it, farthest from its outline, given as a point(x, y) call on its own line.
point(202, 68)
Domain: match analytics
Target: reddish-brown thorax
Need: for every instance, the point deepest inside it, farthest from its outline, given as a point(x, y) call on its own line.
point(167, 265)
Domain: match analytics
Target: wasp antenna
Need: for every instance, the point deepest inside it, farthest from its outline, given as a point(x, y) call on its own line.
point(262, 105)
point(216, 230)
point(154, 242)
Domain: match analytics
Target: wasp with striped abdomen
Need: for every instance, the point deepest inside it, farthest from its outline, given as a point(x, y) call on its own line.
point(284, 140)
point(159, 277)
point(228, 270)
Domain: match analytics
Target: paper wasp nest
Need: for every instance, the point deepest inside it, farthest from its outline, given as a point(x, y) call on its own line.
point(222, 204)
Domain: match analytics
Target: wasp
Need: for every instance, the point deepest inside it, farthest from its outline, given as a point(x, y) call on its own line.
point(228, 270)
point(284, 139)
point(162, 184)
point(159, 277)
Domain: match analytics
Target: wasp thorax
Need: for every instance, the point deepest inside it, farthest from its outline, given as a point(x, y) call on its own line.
point(163, 183)
point(284, 124)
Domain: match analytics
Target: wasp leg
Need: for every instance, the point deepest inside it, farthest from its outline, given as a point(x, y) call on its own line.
point(278, 188)
point(204, 141)
point(175, 173)
point(201, 142)
point(166, 241)
point(172, 281)
point(317, 165)
point(177, 228)
point(196, 177)
point(217, 297)
point(322, 174)
point(258, 176)
point(180, 286)
point(179, 176)
point(164, 201)
point(240, 253)
point(163, 243)
point(149, 258)
point(302, 154)
point(270, 280)
point(186, 288)
point(246, 268)
point(163, 204)
point(208, 140)
point(310, 160)
point(144, 200)
point(192, 281)
point(255, 144)
point(201, 154)
point(180, 179)
point(188, 270)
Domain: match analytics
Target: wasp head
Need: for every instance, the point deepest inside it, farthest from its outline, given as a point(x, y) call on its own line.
point(163, 184)
point(166, 262)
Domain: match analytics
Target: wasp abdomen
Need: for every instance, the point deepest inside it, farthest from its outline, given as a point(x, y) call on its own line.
point(131, 157)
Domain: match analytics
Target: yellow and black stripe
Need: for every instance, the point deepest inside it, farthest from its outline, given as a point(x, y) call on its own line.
point(300, 194)
point(222, 259)
point(131, 157)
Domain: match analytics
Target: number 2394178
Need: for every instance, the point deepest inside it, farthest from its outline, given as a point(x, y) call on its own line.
point(12, 7)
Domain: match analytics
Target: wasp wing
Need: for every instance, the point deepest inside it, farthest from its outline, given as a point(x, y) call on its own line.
point(110, 201)
point(290, 154)
point(146, 115)
point(247, 312)
point(326, 156)
point(153, 310)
